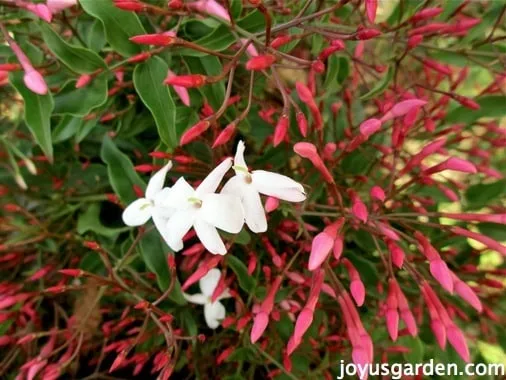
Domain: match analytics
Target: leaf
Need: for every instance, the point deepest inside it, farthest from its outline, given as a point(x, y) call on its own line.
point(119, 25)
point(37, 113)
point(81, 101)
point(331, 81)
point(246, 282)
point(490, 106)
point(79, 59)
point(66, 128)
point(381, 85)
point(96, 36)
point(482, 194)
point(122, 174)
point(154, 254)
point(494, 230)
point(416, 349)
point(148, 80)
point(90, 221)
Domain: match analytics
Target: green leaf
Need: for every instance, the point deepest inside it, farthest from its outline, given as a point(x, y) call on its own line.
point(481, 194)
point(494, 230)
point(66, 128)
point(490, 106)
point(148, 81)
point(381, 85)
point(37, 113)
point(81, 101)
point(122, 174)
point(154, 254)
point(79, 59)
point(246, 282)
point(331, 83)
point(95, 38)
point(90, 221)
point(119, 25)
point(416, 349)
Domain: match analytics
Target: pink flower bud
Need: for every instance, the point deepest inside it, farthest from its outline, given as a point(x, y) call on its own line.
point(225, 135)
point(83, 80)
point(370, 9)
point(369, 127)
point(280, 41)
point(260, 62)
point(302, 123)
point(357, 288)
point(251, 50)
point(388, 231)
point(157, 39)
point(467, 102)
point(271, 204)
point(467, 294)
point(358, 209)
point(194, 132)
point(485, 240)
point(402, 108)
point(186, 81)
point(40, 10)
point(452, 163)
point(337, 250)
point(426, 13)
point(439, 332)
point(414, 41)
point(129, 5)
point(377, 193)
point(397, 254)
point(281, 130)
point(392, 318)
point(35, 82)
point(442, 274)
point(181, 91)
point(338, 43)
point(458, 341)
point(304, 320)
point(260, 322)
point(56, 6)
point(210, 7)
point(309, 151)
point(320, 248)
point(367, 34)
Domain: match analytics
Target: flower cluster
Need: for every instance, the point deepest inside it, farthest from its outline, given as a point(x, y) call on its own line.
point(175, 210)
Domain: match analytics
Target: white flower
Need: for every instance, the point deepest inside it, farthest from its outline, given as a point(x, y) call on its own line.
point(248, 186)
point(214, 312)
point(141, 210)
point(203, 210)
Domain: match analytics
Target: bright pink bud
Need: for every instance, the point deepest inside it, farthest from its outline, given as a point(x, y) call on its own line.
point(436, 66)
point(9, 66)
point(260, 322)
point(452, 163)
point(302, 123)
point(328, 51)
point(490, 218)
point(318, 66)
point(210, 7)
point(225, 135)
point(439, 332)
point(304, 93)
point(442, 274)
point(402, 108)
point(129, 5)
point(370, 9)
point(35, 82)
point(56, 6)
point(280, 41)
point(320, 248)
point(337, 250)
point(83, 80)
point(467, 102)
point(251, 50)
point(414, 41)
point(281, 130)
point(458, 341)
point(367, 34)
point(388, 231)
point(377, 193)
point(467, 294)
point(338, 43)
point(426, 151)
point(426, 13)
point(156, 39)
point(489, 242)
point(358, 209)
point(194, 132)
point(260, 62)
point(40, 10)
point(141, 57)
point(181, 91)
point(309, 151)
point(271, 204)
point(304, 320)
point(357, 288)
point(397, 254)
point(187, 81)
point(369, 127)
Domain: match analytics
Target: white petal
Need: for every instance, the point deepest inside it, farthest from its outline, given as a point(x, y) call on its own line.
point(225, 294)
point(209, 237)
point(178, 195)
point(177, 226)
point(198, 298)
point(278, 185)
point(223, 211)
point(209, 282)
point(214, 313)
point(156, 182)
point(213, 179)
point(239, 155)
point(138, 212)
point(254, 213)
point(161, 225)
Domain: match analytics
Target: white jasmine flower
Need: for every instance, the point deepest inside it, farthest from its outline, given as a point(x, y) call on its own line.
point(214, 312)
point(248, 186)
point(141, 210)
point(203, 210)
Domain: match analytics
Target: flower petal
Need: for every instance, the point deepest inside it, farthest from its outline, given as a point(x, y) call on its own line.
point(160, 222)
point(177, 226)
point(239, 155)
point(213, 179)
point(209, 282)
point(198, 299)
point(214, 313)
point(137, 213)
point(223, 211)
point(178, 195)
point(278, 185)
point(156, 182)
point(209, 237)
